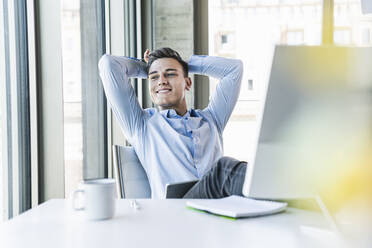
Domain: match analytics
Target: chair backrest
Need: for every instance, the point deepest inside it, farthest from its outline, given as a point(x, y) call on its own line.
point(131, 178)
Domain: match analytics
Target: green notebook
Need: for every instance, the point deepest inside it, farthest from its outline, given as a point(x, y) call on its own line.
point(237, 206)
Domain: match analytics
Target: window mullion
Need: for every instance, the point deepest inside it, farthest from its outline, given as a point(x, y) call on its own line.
point(50, 99)
point(18, 71)
point(327, 24)
point(5, 116)
point(201, 83)
point(13, 78)
point(138, 29)
point(147, 40)
point(94, 101)
point(33, 103)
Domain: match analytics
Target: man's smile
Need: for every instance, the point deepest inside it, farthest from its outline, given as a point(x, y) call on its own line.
point(163, 91)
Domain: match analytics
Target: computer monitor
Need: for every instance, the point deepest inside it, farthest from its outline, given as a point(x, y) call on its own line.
point(317, 103)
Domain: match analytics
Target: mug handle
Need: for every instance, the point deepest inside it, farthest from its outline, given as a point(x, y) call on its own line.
point(74, 197)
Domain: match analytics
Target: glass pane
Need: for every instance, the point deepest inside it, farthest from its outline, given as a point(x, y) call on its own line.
point(173, 30)
point(73, 136)
point(351, 26)
point(248, 30)
point(1, 167)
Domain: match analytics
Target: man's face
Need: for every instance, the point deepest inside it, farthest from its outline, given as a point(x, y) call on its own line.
point(167, 83)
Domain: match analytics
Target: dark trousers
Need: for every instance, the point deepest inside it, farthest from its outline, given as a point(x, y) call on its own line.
point(224, 179)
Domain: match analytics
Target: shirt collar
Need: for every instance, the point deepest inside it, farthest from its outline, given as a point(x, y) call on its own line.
point(171, 113)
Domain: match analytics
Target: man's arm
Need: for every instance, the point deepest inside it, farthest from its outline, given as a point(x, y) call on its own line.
point(115, 73)
point(230, 72)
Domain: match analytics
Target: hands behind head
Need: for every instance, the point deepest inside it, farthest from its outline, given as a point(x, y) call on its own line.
point(146, 55)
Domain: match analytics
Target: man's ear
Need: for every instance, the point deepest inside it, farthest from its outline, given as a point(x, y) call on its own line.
point(188, 83)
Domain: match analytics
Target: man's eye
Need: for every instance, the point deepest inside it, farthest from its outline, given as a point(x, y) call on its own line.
point(171, 74)
point(154, 78)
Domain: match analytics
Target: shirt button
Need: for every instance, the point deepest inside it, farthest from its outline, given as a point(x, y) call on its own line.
point(196, 139)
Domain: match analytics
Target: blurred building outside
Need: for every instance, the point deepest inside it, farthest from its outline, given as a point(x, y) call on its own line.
point(249, 30)
point(72, 94)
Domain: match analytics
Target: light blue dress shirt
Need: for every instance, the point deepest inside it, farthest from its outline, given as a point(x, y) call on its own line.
point(172, 148)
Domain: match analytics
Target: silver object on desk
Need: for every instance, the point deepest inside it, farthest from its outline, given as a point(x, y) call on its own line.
point(134, 204)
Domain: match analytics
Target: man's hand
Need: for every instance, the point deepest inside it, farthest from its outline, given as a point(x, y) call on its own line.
point(146, 55)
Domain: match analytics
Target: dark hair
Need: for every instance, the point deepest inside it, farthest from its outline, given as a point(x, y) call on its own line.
point(167, 52)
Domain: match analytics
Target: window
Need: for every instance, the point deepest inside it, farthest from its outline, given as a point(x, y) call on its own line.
point(293, 37)
point(173, 24)
point(32, 142)
point(351, 27)
point(225, 43)
point(249, 31)
point(2, 48)
point(1, 169)
point(366, 36)
point(223, 39)
point(15, 149)
point(72, 98)
point(342, 36)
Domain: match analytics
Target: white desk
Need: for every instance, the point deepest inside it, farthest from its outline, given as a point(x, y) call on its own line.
point(159, 223)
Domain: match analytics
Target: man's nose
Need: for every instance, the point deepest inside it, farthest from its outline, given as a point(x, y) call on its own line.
point(162, 80)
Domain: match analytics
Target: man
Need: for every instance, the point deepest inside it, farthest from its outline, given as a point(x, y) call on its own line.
point(175, 144)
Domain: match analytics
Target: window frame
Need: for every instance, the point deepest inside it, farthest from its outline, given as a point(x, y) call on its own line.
point(16, 144)
point(135, 19)
point(4, 98)
point(50, 141)
point(93, 46)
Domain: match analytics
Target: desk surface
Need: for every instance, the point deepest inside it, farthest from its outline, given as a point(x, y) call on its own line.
point(159, 223)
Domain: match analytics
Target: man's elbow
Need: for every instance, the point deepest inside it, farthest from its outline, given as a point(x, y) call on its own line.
point(105, 62)
point(238, 66)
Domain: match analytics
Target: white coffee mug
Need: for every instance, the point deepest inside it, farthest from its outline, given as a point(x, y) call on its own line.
point(98, 197)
